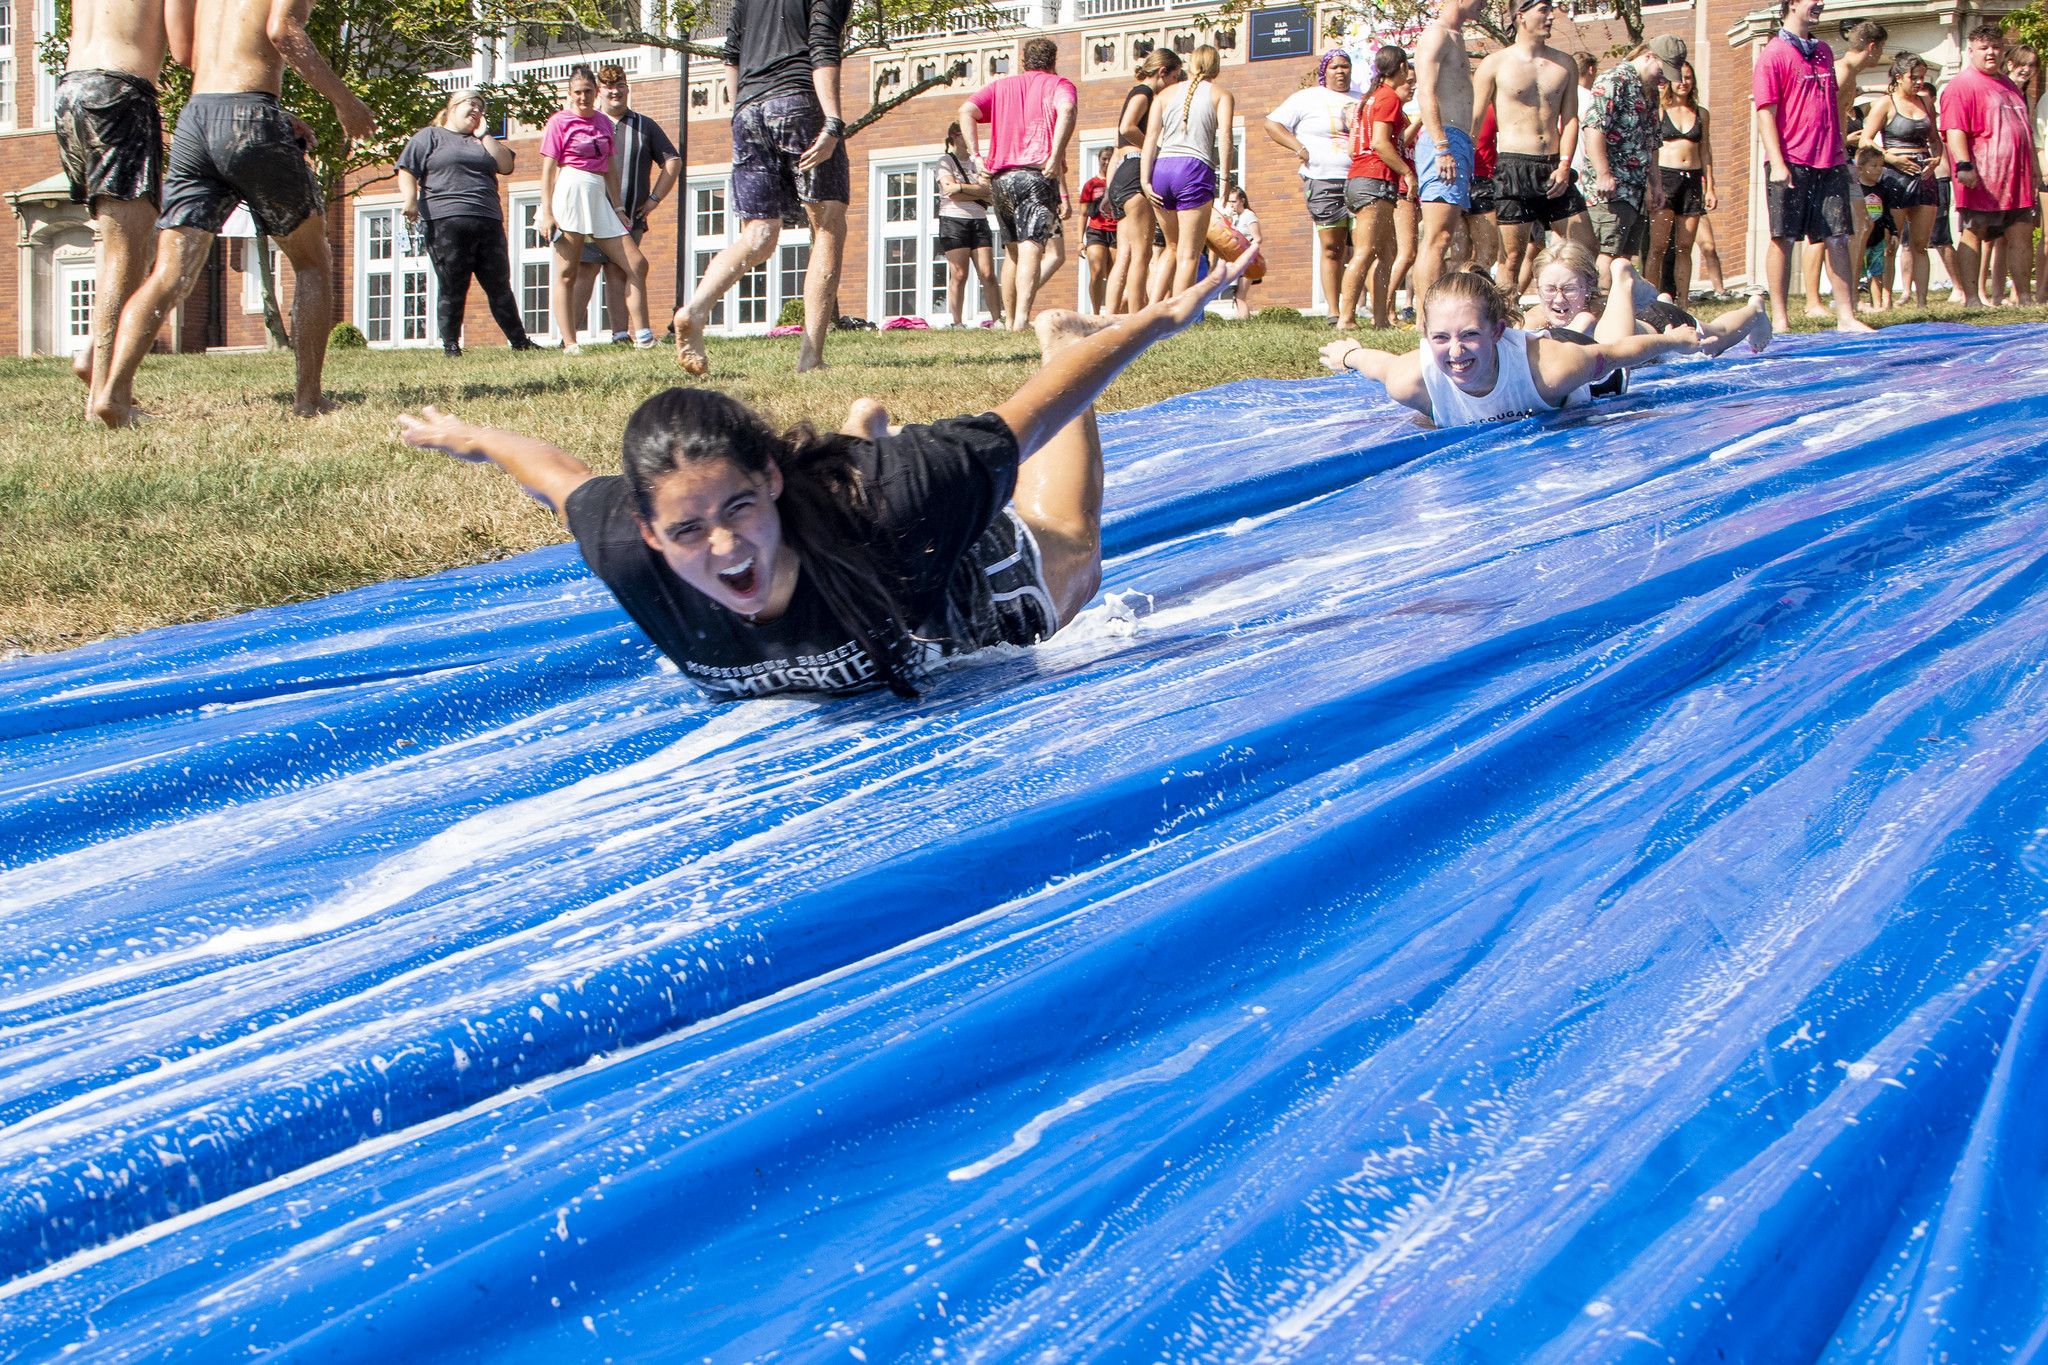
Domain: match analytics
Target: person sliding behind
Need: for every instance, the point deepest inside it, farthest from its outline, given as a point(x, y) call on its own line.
point(804, 563)
point(1474, 366)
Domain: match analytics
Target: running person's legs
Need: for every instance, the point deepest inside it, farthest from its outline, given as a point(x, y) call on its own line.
point(110, 140)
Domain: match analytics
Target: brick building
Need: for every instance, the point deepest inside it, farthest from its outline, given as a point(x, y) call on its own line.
point(387, 287)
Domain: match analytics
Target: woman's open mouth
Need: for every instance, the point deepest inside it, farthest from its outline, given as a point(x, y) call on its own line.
point(740, 578)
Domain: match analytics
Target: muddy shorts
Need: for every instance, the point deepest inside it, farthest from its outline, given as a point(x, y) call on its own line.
point(768, 138)
point(1027, 204)
point(238, 149)
point(110, 137)
point(1813, 204)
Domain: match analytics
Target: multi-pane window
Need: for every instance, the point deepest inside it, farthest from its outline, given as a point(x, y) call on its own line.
point(397, 290)
point(6, 63)
point(939, 301)
point(796, 262)
point(899, 277)
point(380, 237)
point(536, 276)
point(415, 325)
point(899, 197)
point(78, 306)
point(711, 212)
point(754, 295)
point(377, 313)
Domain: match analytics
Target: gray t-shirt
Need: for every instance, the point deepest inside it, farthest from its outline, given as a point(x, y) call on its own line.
point(458, 177)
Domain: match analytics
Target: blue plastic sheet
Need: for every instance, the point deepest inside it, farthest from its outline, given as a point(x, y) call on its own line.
point(1563, 891)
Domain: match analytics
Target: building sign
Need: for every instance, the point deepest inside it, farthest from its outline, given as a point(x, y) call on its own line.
point(1282, 33)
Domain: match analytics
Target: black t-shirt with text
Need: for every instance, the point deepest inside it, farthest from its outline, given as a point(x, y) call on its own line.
point(935, 489)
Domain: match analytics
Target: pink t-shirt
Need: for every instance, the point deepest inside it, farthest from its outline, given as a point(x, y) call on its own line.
point(575, 140)
point(1804, 90)
point(1021, 111)
point(1993, 112)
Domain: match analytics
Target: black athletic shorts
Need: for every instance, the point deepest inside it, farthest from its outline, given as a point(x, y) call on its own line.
point(1662, 317)
point(1521, 190)
point(769, 136)
point(1027, 204)
point(1685, 192)
point(238, 149)
point(1944, 199)
point(1096, 236)
point(110, 137)
point(1123, 183)
point(1483, 200)
point(1902, 191)
point(1987, 223)
point(1813, 204)
point(958, 233)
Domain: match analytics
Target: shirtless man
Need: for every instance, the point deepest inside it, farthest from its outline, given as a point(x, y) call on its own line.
point(236, 144)
point(1533, 89)
point(1443, 149)
point(110, 138)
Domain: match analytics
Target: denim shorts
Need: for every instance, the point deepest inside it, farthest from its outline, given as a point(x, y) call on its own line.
point(768, 138)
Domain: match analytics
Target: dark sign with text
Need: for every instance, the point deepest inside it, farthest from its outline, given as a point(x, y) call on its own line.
point(1282, 33)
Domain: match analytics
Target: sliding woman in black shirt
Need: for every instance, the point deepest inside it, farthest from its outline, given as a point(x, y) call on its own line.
point(766, 563)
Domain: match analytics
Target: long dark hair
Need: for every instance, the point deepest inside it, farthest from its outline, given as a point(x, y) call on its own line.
point(827, 515)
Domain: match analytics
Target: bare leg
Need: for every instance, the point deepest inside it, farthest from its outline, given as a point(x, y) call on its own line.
point(757, 239)
point(1683, 233)
point(1190, 237)
point(586, 285)
point(1133, 255)
point(1660, 241)
point(568, 260)
point(1385, 249)
point(1161, 273)
point(1970, 262)
point(2019, 263)
point(180, 255)
point(1845, 288)
point(1053, 259)
point(956, 281)
point(1710, 259)
point(634, 289)
point(1485, 241)
point(312, 311)
point(1099, 258)
point(1439, 224)
point(1745, 323)
point(1335, 244)
point(1355, 273)
point(1059, 489)
point(127, 250)
point(821, 282)
point(1953, 268)
point(1618, 318)
point(1814, 255)
point(1514, 247)
point(1778, 268)
point(991, 287)
point(1407, 222)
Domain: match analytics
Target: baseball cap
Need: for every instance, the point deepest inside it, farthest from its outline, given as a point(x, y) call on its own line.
point(1521, 5)
point(1669, 49)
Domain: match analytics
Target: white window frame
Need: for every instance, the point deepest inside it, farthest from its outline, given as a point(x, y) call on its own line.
point(704, 245)
point(12, 11)
point(46, 84)
point(401, 265)
point(930, 269)
point(71, 332)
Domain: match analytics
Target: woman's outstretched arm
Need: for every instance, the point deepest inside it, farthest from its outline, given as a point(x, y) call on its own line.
point(1075, 377)
point(548, 475)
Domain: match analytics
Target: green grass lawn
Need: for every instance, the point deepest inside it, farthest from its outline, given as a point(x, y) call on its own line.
point(224, 501)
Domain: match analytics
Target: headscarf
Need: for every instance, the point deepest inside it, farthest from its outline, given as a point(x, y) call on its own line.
point(1323, 67)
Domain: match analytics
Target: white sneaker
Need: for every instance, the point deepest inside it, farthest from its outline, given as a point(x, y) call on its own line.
point(573, 348)
point(644, 341)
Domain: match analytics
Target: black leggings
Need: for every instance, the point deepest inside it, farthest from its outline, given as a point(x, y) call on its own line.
point(460, 248)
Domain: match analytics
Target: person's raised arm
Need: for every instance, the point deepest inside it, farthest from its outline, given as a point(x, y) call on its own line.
point(549, 475)
point(180, 27)
point(287, 33)
point(1074, 378)
point(1401, 375)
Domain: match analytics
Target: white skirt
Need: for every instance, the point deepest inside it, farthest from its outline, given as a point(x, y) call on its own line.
point(582, 205)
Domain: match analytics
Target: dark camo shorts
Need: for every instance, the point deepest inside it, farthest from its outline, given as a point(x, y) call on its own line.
point(110, 137)
point(1027, 204)
point(768, 138)
point(238, 149)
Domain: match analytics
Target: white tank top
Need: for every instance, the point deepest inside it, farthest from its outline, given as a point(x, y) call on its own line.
point(1514, 390)
point(1195, 134)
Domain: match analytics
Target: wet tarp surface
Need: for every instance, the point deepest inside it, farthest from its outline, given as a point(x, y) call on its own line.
point(1563, 891)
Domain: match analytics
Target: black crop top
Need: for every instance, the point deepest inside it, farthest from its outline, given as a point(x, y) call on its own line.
point(1670, 132)
point(1122, 139)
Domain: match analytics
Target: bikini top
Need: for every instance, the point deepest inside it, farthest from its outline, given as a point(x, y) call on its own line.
point(1670, 130)
point(1124, 139)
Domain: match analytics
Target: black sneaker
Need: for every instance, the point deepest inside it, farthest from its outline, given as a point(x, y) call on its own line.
point(523, 344)
point(452, 352)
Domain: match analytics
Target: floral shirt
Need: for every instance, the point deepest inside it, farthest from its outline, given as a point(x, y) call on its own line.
point(1621, 106)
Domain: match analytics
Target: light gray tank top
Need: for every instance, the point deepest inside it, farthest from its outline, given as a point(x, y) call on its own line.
point(1514, 392)
point(1195, 133)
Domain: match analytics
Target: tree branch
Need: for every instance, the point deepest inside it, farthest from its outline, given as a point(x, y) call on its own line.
point(875, 111)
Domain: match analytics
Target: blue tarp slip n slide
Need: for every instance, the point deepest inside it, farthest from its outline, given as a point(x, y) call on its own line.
point(1563, 891)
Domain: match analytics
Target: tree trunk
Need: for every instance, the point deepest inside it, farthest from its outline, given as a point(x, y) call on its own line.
point(266, 282)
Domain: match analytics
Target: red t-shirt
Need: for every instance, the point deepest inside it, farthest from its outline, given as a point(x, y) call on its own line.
point(1803, 89)
point(1021, 111)
point(1993, 112)
point(1381, 106)
point(1486, 146)
point(1098, 190)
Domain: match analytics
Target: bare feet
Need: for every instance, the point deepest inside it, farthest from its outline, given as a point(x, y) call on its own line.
point(1814, 310)
point(317, 406)
point(1059, 328)
point(1849, 322)
point(866, 419)
point(81, 365)
point(690, 352)
point(806, 362)
point(118, 415)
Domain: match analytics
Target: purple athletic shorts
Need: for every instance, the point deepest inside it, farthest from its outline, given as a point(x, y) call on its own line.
point(1183, 182)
